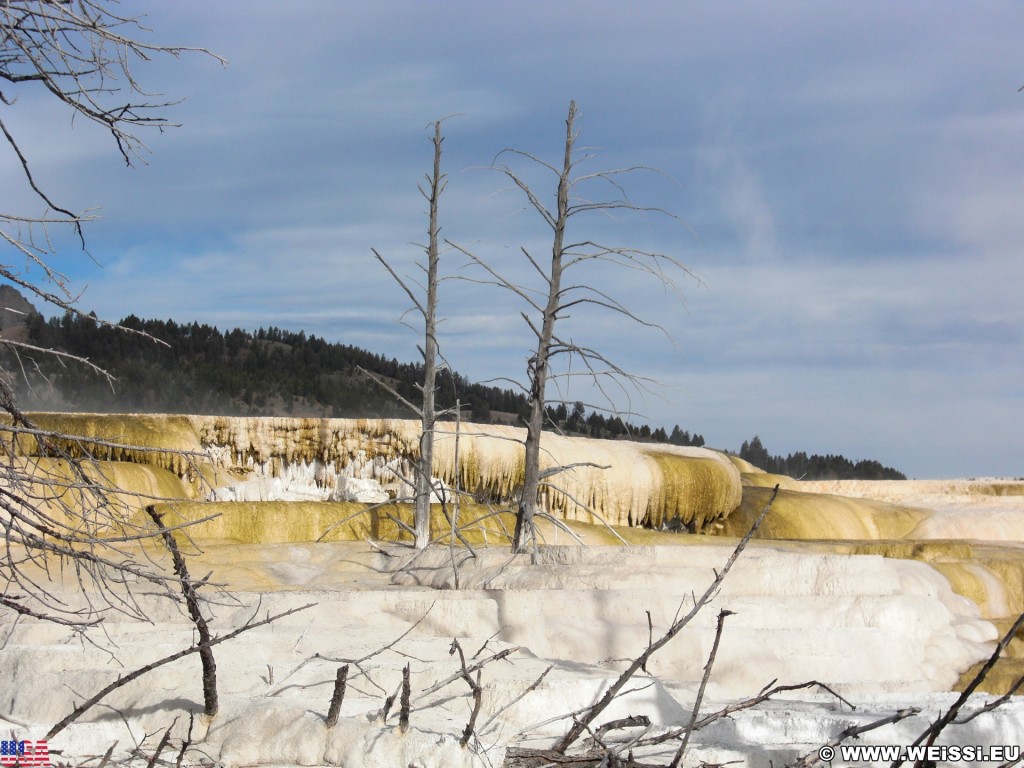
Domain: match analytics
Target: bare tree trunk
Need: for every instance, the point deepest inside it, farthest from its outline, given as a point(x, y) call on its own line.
point(563, 290)
point(428, 414)
point(525, 534)
point(191, 595)
point(427, 308)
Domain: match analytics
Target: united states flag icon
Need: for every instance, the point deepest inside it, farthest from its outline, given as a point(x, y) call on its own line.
point(24, 753)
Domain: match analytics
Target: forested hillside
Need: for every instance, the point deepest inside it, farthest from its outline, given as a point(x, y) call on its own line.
point(170, 367)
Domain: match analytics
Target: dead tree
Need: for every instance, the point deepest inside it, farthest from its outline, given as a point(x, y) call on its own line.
point(426, 307)
point(563, 287)
point(135, 674)
point(55, 503)
point(190, 593)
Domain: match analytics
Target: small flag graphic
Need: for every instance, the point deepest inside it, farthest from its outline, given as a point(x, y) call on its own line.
point(24, 753)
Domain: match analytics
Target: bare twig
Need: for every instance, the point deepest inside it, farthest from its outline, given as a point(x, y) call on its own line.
point(522, 694)
point(186, 742)
point(357, 663)
point(160, 747)
point(853, 731)
point(586, 509)
point(992, 705)
point(474, 688)
point(932, 731)
point(633, 721)
point(477, 690)
point(106, 756)
point(125, 679)
point(581, 724)
point(81, 54)
point(468, 670)
point(700, 691)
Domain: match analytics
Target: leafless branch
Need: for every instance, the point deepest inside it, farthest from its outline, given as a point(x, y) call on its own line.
point(585, 508)
point(593, 712)
point(125, 679)
point(191, 595)
point(503, 654)
point(852, 732)
point(522, 694)
point(477, 691)
point(929, 735)
point(700, 691)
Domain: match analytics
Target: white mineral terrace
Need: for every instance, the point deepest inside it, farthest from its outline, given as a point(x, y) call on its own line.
point(884, 633)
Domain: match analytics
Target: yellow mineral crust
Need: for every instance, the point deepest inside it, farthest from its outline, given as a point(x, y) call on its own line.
point(797, 515)
point(623, 482)
point(619, 482)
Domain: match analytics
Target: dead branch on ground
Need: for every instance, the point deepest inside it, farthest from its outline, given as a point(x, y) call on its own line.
point(764, 695)
point(581, 724)
point(123, 680)
point(852, 732)
point(932, 732)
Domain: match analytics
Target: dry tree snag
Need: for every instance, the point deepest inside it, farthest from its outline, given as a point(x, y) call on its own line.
point(567, 285)
point(404, 706)
point(191, 595)
point(334, 710)
point(427, 309)
point(135, 674)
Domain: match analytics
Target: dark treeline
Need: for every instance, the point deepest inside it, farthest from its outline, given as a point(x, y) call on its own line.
point(815, 467)
point(195, 368)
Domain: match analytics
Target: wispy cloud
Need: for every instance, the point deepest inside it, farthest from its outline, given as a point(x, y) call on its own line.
point(851, 174)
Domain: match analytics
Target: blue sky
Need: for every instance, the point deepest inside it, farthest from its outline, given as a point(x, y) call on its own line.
point(848, 180)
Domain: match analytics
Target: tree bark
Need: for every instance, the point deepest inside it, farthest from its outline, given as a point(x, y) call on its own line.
point(188, 591)
point(428, 415)
point(525, 535)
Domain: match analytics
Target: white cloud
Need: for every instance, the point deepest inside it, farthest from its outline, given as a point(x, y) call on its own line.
point(852, 172)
